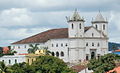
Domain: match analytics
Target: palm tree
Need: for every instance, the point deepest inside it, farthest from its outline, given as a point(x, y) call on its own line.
point(47, 52)
point(33, 48)
point(3, 68)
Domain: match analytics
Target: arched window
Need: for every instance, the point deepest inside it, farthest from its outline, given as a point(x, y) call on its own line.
point(86, 44)
point(92, 44)
point(103, 27)
point(92, 34)
point(9, 61)
point(72, 26)
point(56, 45)
point(62, 53)
point(53, 54)
point(15, 60)
point(25, 46)
point(80, 25)
point(57, 54)
point(61, 44)
point(96, 26)
point(66, 44)
point(19, 47)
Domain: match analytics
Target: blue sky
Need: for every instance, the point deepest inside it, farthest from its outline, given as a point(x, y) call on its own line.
point(22, 18)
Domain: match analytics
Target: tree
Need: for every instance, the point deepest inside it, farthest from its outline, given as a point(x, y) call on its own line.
point(103, 64)
point(3, 68)
point(50, 64)
point(22, 68)
point(33, 48)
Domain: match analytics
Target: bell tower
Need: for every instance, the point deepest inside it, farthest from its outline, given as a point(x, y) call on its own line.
point(75, 25)
point(100, 24)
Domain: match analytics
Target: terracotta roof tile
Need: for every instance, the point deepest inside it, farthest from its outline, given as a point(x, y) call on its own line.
point(45, 36)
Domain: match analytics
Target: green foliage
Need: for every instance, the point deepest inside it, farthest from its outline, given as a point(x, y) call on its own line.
point(50, 64)
point(33, 48)
point(103, 64)
point(43, 64)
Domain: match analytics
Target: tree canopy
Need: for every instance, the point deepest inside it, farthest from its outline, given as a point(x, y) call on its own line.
point(43, 64)
point(103, 64)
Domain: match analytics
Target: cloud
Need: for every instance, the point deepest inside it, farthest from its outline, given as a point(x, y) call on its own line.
point(61, 5)
point(15, 17)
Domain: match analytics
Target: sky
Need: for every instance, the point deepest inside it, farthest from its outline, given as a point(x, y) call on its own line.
point(20, 19)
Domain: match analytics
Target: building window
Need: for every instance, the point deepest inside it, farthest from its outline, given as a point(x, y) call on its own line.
point(53, 54)
point(80, 25)
point(19, 47)
point(92, 44)
point(62, 53)
point(86, 44)
point(56, 45)
point(15, 61)
point(92, 34)
point(72, 26)
point(98, 44)
point(25, 46)
point(66, 44)
point(52, 45)
point(57, 54)
point(32, 60)
point(3, 61)
point(28, 61)
point(98, 56)
point(62, 45)
point(87, 57)
point(103, 27)
point(9, 61)
point(96, 26)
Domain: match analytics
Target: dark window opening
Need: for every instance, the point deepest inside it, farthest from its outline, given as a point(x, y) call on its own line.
point(96, 26)
point(103, 27)
point(57, 54)
point(86, 44)
point(72, 26)
point(56, 45)
point(80, 25)
point(15, 61)
point(53, 54)
point(62, 53)
point(92, 44)
point(9, 61)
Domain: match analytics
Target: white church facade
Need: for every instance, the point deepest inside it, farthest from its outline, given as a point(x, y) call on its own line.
point(74, 44)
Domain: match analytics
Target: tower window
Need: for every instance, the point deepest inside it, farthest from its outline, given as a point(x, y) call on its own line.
point(86, 44)
point(92, 44)
point(98, 44)
point(103, 27)
point(72, 26)
point(80, 25)
point(92, 34)
point(96, 26)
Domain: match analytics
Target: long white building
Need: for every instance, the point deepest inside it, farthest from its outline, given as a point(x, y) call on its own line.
point(74, 44)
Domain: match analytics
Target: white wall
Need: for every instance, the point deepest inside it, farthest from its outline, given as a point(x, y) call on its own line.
point(12, 58)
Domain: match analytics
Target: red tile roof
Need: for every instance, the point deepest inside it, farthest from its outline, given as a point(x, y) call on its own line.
point(78, 68)
point(45, 36)
point(117, 50)
point(5, 50)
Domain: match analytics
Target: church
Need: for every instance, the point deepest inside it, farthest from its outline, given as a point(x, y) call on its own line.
point(75, 44)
